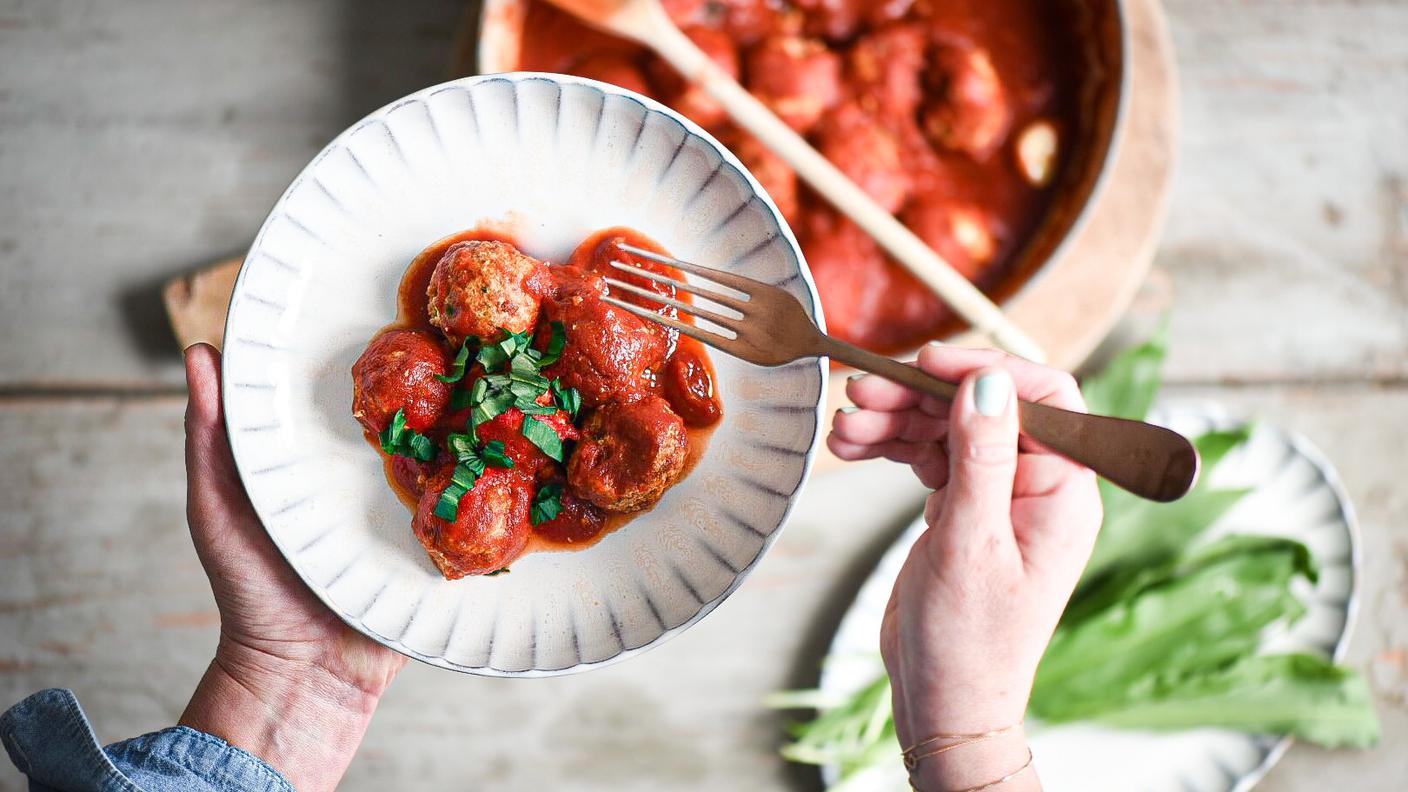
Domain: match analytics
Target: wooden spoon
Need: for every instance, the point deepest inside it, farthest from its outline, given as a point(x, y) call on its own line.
point(646, 21)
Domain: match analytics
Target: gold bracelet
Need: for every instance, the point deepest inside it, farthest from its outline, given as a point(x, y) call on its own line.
point(990, 784)
point(911, 760)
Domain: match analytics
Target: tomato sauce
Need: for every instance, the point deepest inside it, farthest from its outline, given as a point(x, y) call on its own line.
point(686, 379)
point(924, 105)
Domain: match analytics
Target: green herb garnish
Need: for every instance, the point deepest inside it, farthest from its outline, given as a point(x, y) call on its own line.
point(565, 398)
point(556, 343)
point(547, 503)
point(461, 362)
point(543, 436)
point(461, 481)
point(399, 440)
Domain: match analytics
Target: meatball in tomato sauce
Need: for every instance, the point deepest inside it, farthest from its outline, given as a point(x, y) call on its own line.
point(483, 289)
point(868, 153)
point(490, 530)
point(629, 455)
point(397, 372)
point(799, 78)
point(972, 114)
point(611, 355)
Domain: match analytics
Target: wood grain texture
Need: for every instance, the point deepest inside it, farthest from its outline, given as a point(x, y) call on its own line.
point(1288, 237)
point(1287, 254)
point(141, 139)
point(82, 606)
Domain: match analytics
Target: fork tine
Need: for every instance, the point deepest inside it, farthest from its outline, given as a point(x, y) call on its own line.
point(697, 333)
point(708, 294)
point(735, 282)
point(689, 308)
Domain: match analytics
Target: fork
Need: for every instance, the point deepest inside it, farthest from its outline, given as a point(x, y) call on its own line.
point(772, 328)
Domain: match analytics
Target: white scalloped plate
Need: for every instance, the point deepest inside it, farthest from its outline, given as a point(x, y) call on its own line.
point(1296, 493)
point(551, 159)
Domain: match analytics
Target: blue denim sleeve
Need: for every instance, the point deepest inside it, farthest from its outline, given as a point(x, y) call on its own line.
point(49, 739)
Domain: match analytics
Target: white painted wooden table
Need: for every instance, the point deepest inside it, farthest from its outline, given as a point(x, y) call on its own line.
point(141, 138)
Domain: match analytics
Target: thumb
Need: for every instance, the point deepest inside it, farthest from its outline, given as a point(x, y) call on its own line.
point(982, 452)
point(213, 489)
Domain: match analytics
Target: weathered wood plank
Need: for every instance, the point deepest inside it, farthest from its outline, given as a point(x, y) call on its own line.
point(1288, 233)
point(99, 588)
point(144, 138)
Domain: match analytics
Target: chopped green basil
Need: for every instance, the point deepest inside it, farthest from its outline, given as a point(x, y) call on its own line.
point(391, 435)
point(569, 399)
point(422, 448)
point(547, 503)
point(496, 454)
point(461, 361)
point(543, 436)
point(556, 343)
point(398, 440)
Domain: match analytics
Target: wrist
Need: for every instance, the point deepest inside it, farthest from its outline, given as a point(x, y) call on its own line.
point(299, 717)
point(977, 763)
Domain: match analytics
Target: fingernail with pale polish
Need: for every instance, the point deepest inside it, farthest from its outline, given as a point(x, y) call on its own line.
point(991, 393)
point(850, 409)
point(859, 375)
point(936, 343)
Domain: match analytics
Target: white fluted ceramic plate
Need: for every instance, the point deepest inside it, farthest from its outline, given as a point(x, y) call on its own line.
point(550, 159)
point(1295, 493)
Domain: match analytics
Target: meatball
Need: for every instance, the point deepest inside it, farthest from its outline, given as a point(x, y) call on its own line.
point(611, 354)
point(397, 371)
point(688, 98)
point(868, 299)
point(629, 455)
point(867, 152)
point(490, 530)
point(837, 20)
point(483, 289)
point(799, 78)
point(749, 21)
point(967, 237)
point(611, 67)
point(507, 428)
point(886, 68)
point(972, 113)
point(777, 177)
point(411, 475)
point(578, 521)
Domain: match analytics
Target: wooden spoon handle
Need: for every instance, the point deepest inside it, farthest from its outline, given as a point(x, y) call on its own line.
point(1147, 460)
point(906, 248)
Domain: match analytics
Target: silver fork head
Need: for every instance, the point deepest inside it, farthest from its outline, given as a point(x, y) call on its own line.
point(771, 326)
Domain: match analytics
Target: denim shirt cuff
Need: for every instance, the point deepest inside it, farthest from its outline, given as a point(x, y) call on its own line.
point(50, 740)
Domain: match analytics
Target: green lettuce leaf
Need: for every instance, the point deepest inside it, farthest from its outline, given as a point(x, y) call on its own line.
point(1298, 694)
point(1137, 531)
point(1127, 387)
point(1198, 613)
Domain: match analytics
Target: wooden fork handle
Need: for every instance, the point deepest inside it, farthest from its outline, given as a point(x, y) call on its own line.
point(1147, 460)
